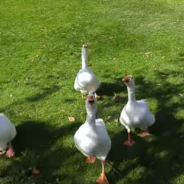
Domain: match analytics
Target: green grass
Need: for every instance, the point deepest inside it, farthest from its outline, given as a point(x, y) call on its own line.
point(41, 40)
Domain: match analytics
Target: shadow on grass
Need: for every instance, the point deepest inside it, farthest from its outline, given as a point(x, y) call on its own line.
point(108, 89)
point(45, 92)
point(36, 146)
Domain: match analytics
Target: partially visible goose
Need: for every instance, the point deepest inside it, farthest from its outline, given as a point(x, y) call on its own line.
point(7, 134)
point(85, 81)
point(92, 138)
point(136, 113)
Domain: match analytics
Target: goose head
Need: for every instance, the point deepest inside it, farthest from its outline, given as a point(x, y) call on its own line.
point(84, 51)
point(91, 104)
point(129, 82)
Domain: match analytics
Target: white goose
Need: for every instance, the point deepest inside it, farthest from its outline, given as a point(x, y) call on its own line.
point(136, 113)
point(92, 138)
point(85, 81)
point(7, 134)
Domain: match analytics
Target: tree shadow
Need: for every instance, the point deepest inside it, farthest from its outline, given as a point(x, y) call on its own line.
point(109, 88)
point(36, 145)
point(45, 92)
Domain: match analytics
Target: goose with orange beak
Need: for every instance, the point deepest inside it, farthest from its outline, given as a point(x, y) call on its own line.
point(136, 113)
point(92, 138)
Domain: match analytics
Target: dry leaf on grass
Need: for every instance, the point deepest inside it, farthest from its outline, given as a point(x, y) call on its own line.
point(62, 110)
point(35, 171)
point(72, 119)
point(99, 97)
point(77, 53)
point(108, 118)
point(116, 120)
point(163, 75)
point(146, 54)
point(39, 117)
point(27, 78)
point(116, 96)
point(89, 64)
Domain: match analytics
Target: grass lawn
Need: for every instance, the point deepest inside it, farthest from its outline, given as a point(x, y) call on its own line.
point(40, 46)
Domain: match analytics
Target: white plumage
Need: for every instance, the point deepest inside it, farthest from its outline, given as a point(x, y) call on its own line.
point(85, 81)
point(7, 132)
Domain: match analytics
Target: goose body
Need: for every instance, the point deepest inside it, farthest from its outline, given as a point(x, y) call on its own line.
point(92, 139)
point(85, 81)
point(136, 113)
point(7, 134)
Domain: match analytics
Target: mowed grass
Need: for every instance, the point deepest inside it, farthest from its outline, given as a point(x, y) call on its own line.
point(40, 46)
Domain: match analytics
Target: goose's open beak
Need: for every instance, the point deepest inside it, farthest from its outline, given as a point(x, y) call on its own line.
point(91, 100)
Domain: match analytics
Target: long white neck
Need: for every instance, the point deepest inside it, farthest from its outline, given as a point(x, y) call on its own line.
point(131, 94)
point(84, 57)
point(91, 117)
point(84, 62)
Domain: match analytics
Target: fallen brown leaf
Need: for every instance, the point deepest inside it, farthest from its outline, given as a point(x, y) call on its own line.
point(35, 171)
point(27, 78)
point(77, 53)
point(89, 64)
point(146, 54)
point(39, 117)
point(108, 118)
point(14, 79)
point(62, 110)
point(72, 119)
point(163, 75)
point(99, 97)
point(116, 120)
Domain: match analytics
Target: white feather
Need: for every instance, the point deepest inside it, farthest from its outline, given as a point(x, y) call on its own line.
point(7, 132)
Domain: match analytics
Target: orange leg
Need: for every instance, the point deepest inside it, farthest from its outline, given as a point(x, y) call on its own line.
point(102, 179)
point(129, 142)
point(90, 160)
point(144, 133)
point(10, 152)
